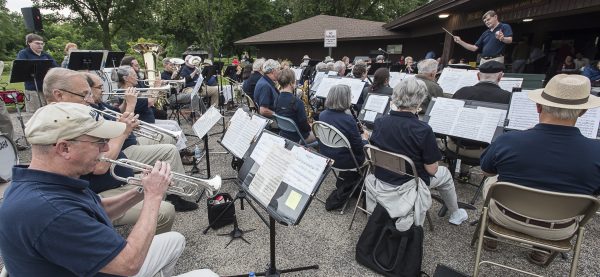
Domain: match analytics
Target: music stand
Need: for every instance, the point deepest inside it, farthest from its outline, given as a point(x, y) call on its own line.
point(113, 59)
point(375, 66)
point(30, 70)
point(230, 70)
point(85, 60)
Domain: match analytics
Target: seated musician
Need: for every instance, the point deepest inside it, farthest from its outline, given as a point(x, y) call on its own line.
point(338, 115)
point(68, 230)
point(359, 71)
point(265, 91)
point(288, 105)
point(169, 70)
point(321, 67)
point(552, 156)
point(411, 67)
point(401, 132)
point(340, 68)
point(427, 71)
point(592, 72)
point(381, 83)
point(250, 84)
point(379, 59)
point(486, 90)
point(57, 89)
point(191, 73)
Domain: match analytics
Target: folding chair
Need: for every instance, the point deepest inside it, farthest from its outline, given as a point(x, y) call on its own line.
point(250, 103)
point(452, 155)
point(536, 204)
point(332, 137)
point(375, 157)
point(288, 125)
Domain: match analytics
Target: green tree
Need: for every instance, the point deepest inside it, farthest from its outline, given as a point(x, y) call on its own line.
point(12, 37)
point(376, 10)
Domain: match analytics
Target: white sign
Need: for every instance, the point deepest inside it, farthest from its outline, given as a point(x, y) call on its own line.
point(330, 38)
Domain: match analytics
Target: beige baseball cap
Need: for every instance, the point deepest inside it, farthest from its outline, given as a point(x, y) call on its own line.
point(67, 121)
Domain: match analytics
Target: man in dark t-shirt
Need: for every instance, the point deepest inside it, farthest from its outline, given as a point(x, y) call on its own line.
point(492, 41)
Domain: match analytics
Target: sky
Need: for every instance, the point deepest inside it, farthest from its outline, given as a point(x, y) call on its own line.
point(16, 5)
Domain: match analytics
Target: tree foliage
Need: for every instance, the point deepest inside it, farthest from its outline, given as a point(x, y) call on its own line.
point(12, 36)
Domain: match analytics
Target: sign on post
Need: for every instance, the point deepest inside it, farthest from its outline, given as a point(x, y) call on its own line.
point(330, 38)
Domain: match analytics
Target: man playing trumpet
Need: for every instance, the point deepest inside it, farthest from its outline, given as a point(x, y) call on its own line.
point(52, 224)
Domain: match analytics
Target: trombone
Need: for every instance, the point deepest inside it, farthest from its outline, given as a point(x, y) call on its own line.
point(146, 130)
point(183, 185)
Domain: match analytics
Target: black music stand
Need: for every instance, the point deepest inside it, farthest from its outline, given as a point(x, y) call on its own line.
point(30, 70)
point(230, 70)
point(113, 59)
point(85, 60)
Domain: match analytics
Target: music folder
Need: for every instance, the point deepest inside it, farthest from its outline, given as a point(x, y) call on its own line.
point(375, 106)
point(27, 70)
point(86, 59)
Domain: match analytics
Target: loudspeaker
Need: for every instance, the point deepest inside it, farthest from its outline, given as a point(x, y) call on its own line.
point(33, 19)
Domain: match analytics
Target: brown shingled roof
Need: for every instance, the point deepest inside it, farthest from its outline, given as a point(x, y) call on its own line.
point(312, 29)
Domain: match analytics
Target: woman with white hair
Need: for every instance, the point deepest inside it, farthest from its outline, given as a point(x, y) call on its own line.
point(338, 115)
point(402, 132)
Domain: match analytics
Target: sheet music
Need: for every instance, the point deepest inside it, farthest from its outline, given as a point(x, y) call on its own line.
point(264, 144)
point(475, 124)
point(241, 132)
point(377, 103)
point(332, 73)
point(206, 121)
point(306, 169)
point(297, 73)
point(452, 79)
point(269, 176)
point(356, 87)
point(396, 78)
point(227, 92)
point(522, 113)
point(508, 84)
point(238, 113)
point(443, 114)
point(370, 116)
point(588, 123)
point(317, 81)
point(502, 114)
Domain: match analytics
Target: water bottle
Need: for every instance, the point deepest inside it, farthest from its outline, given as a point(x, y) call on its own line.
point(197, 152)
point(251, 274)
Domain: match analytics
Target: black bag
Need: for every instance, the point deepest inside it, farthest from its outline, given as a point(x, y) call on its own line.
point(384, 249)
point(214, 210)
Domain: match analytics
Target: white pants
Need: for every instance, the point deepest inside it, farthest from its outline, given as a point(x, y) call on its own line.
point(163, 255)
point(444, 184)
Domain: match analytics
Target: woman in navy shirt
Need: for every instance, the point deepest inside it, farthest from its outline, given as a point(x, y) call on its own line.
point(288, 105)
point(338, 115)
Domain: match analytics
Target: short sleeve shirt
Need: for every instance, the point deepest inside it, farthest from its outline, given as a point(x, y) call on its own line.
point(488, 45)
point(403, 133)
point(53, 225)
point(265, 93)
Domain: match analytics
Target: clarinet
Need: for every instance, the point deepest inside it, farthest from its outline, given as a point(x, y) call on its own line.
point(361, 129)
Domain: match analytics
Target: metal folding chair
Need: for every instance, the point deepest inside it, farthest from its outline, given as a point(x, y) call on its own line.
point(375, 157)
point(332, 137)
point(288, 125)
point(537, 204)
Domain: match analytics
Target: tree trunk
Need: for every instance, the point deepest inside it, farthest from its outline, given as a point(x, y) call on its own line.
point(106, 37)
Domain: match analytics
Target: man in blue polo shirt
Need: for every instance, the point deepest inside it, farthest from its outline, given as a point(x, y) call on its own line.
point(52, 224)
point(491, 43)
point(34, 50)
point(265, 91)
point(553, 156)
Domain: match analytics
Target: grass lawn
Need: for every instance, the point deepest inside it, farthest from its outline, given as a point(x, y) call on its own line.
point(4, 85)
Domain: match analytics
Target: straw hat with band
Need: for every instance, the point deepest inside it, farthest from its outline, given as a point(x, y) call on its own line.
point(567, 92)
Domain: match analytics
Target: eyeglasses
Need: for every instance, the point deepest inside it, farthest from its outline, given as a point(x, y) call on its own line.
point(87, 95)
point(101, 142)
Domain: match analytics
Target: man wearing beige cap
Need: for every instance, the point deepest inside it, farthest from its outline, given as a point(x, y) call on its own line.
point(553, 156)
point(52, 224)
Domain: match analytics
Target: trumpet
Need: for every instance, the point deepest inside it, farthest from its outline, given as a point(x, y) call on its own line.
point(143, 89)
point(183, 185)
point(146, 130)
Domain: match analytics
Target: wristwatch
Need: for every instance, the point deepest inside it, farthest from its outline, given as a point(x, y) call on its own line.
point(140, 190)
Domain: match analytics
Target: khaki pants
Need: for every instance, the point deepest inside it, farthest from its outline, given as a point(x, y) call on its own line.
point(6, 126)
point(501, 219)
point(32, 102)
point(166, 212)
point(206, 91)
point(499, 59)
point(149, 154)
point(470, 153)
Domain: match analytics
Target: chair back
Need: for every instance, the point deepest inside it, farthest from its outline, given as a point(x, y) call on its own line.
point(331, 137)
point(288, 125)
point(542, 204)
point(249, 102)
point(391, 161)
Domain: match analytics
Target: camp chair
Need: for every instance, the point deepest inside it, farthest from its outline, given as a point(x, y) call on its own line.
point(332, 137)
point(539, 204)
point(250, 102)
point(288, 125)
point(391, 161)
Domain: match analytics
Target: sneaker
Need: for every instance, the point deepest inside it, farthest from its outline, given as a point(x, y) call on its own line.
point(186, 152)
point(180, 204)
point(187, 160)
point(538, 258)
point(458, 217)
point(490, 245)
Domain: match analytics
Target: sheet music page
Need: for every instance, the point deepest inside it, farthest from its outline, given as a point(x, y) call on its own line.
point(396, 78)
point(264, 144)
point(356, 87)
point(297, 73)
point(325, 85)
point(450, 78)
point(377, 103)
point(508, 84)
point(370, 116)
point(443, 114)
point(588, 123)
point(206, 121)
point(468, 78)
point(261, 122)
point(522, 113)
point(476, 124)
point(317, 81)
point(305, 171)
point(269, 176)
point(238, 113)
point(501, 111)
point(240, 134)
point(332, 73)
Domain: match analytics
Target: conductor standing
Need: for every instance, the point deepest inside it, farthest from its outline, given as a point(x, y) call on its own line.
point(491, 43)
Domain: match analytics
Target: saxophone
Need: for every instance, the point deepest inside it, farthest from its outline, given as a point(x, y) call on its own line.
point(307, 107)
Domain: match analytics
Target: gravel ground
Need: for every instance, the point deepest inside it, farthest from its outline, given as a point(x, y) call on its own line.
point(323, 237)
